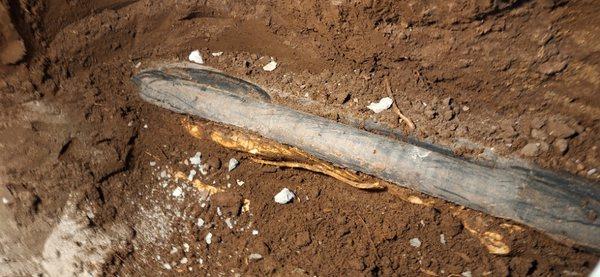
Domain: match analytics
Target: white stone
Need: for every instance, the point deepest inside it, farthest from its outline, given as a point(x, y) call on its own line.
point(177, 192)
point(200, 222)
point(216, 54)
point(208, 238)
point(184, 260)
point(233, 163)
point(255, 256)
point(592, 171)
point(415, 242)
point(239, 182)
point(152, 163)
point(466, 274)
point(229, 223)
point(284, 196)
point(270, 66)
point(255, 232)
point(196, 159)
point(186, 247)
point(442, 239)
point(383, 104)
point(191, 175)
point(196, 57)
point(167, 266)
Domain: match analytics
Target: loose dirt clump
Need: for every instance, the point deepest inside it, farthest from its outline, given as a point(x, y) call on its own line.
point(86, 164)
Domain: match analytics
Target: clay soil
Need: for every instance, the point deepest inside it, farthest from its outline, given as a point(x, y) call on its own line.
point(84, 162)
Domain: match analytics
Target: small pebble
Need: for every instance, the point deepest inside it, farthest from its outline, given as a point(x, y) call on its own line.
point(383, 104)
point(167, 266)
point(229, 223)
point(184, 260)
point(152, 163)
point(255, 256)
point(196, 57)
point(208, 238)
point(145, 126)
point(415, 242)
point(240, 183)
point(233, 163)
point(5, 201)
point(216, 54)
point(270, 66)
point(442, 239)
point(591, 171)
point(284, 196)
point(186, 247)
point(191, 175)
point(466, 274)
point(200, 222)
point(255, 232)
point(196, 159)
point(177, 192)
point(219, 212)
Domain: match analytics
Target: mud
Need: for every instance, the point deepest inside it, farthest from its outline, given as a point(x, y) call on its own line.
point(82, 155)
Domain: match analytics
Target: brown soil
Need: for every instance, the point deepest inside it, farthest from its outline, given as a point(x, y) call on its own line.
point(82, 155)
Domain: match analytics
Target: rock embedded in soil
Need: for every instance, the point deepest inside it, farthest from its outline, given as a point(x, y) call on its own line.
point(560, 129)
point(233, 163)
point(539, 134)
point(284, 196)
point(415, 242)
point(561, 145)
point(531, 149)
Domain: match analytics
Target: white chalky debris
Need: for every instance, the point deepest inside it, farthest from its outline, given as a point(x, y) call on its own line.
point(208, 238)
point(183, 260)
point(219, 212)
point(228, 185)
point(163, 174)
point(383, 104)
point(255, 256)
point(152, 163)
point(255, 232)
point(145, 126)
point(130, 124)
point(591, 171)
point(186, 247)
point(270, 66)
point(203, 169)
point(239, 182)
point(416, 242)
point(202, 205)
point(233, 163)
point(167, 266)
point(200, 261)
point(177, 192)
point(442, 239)
point(284, 196)
point(229, 223)
point(191, 175)
point(196, 159)
point(216, 54)
point(200, 222)
point(466, 274)
point(5, 200)
point(196, 57)
point(173, 250)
